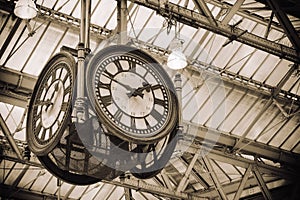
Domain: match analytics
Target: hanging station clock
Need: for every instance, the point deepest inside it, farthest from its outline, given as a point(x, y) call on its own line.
point(50, 104)
point(132, 94)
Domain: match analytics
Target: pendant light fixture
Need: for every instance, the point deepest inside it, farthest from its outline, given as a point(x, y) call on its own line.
point(25, 9)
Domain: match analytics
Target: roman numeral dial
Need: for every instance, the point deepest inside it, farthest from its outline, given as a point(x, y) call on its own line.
point(133, 95)
point(50, 105)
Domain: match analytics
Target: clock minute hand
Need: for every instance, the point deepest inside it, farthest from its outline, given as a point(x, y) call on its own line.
point(130, 89)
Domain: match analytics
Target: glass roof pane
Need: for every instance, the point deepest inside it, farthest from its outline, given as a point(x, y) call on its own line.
point(239, 58)
point(163, 39)
point(15, 171)
point(41, 182)
point(229, 170)
point(210, 109)
point(284, 132)
point(267, 67)
point(6, 167)
point(248, 118)
point(67, 6)
point(290, 83)
point(139, 20)
point(91, 192)
point(30, 176)
point(231, 101)
point(51, 187)
point(253, 63)
point(272, 128)
point(46, 46)
point(259, 30)
point(225, 53)
point(103, 12)
point(11, 43)
point(219, 173)
point(201, 94)
point(238, 112)
point(77, 10)
point(71, 39)
point(296, 88)
point(259, 127)
point(297, 148)
point(48, 4)
point(279, 72)
point(211, 49)
point(104, 191)
point(78, 191)
point(6, 29)
point(117, 194)
point(18, 60)
point(190, 45)
point(292, 140)
point(5, 109)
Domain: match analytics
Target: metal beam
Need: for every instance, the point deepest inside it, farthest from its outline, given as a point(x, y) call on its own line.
point(238, 145)
point(166, 179)
point(247, 15)
point(11, 34)
point(202, 7)
point(214, 178)
point(254, 148)
point(183, 181)
point(206, 194)
point(239, 191)
point(250, 147)
point(7, 192)
point(232, 11)
point(275, 92)
point(196, 20)
point(127, 194)
point(251, 187)
point(10, 138)
point(285, 23)
point(99, 32)
point(70, 21)
point(264, 189)
point(122, 21)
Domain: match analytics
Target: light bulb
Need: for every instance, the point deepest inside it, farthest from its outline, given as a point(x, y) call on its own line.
point(25, 9)
point(176, 60)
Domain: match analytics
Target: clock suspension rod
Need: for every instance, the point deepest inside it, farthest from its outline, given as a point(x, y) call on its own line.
point(178, 88)
point(80, 108)
point(122, 21)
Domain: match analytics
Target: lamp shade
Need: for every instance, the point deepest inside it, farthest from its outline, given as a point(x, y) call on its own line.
point(176, 60)
point(25, 9)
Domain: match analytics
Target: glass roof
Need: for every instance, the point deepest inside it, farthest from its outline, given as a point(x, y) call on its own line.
point(230, 91)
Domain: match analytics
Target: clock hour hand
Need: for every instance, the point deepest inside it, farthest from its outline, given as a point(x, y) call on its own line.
point(139, 91)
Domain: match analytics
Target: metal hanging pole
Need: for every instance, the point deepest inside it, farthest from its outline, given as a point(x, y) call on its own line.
point(122, 21)
point(87, 25)
point(80, 107)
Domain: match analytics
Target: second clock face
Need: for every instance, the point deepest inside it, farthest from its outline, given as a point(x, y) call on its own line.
point(132, 95)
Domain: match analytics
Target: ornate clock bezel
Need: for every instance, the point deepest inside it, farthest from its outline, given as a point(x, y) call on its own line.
point(38, 145)
point(121, 52)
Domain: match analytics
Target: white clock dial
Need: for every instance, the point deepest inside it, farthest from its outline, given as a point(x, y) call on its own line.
point(133, 95)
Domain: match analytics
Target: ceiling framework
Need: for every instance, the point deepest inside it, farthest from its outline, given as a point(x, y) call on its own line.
point(253, 152)
point(233, 32)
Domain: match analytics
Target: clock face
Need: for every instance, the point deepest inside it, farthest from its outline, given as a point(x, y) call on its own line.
point(134, 97)
point(49, 107)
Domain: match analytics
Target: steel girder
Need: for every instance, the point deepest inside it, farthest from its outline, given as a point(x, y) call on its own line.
point(231, 78)
point(196, 20)
point(285, 23)
point(11, 77)
point(141, 186)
